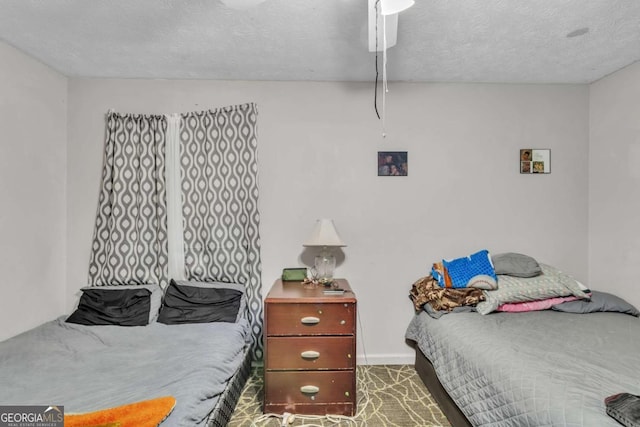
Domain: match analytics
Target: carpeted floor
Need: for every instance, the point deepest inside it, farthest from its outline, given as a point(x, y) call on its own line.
point(388, 395)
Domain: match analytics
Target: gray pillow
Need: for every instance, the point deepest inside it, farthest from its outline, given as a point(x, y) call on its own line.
point(517, 265)
point(600, 301)
point(551, 283)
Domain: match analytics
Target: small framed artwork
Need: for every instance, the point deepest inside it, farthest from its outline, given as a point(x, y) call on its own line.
point(535, 160)
point(393, 163)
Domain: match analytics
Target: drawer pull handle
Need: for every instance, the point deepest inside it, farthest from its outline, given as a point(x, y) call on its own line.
point(310, 320)
point(310, 354)
point(309, 389)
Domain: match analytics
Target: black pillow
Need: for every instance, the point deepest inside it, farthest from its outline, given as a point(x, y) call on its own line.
point(126, 307)
point(195, 304)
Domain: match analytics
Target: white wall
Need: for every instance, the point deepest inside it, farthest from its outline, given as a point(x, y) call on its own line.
point(317, 152)
point(33, 120)
point(614, 184)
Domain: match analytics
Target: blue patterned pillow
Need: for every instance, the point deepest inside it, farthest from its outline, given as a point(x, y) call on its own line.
point(462, 270)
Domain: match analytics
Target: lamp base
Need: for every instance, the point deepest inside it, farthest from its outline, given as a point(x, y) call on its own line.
point(327, 283)
point(325, 263)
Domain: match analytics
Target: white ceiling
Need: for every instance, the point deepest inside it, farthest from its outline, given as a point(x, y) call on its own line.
point(522, 41)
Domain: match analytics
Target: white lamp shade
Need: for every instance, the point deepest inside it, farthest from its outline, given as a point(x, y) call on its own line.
point(324, 234)
point(389, 7)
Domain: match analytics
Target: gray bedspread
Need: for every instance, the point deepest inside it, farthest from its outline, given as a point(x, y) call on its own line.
point(87, 368)
point(541, 368)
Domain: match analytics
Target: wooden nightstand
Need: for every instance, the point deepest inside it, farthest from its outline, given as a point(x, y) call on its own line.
point(310, 350)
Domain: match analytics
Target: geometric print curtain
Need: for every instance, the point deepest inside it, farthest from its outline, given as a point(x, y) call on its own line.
point(219, 203)
point(219, 180)
point(130, 235)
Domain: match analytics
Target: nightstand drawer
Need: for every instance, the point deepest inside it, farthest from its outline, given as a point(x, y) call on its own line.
point(311, 387)
point(310, 319)
point(289, 353)
point(310, 350)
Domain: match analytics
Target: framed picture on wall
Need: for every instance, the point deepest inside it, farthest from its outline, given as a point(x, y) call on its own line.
point(535, 160)
point(393, 163)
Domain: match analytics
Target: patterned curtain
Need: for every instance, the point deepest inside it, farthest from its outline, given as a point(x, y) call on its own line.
point(218, 157)
point(130, 235)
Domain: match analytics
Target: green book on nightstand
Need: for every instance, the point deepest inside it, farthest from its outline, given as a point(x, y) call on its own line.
point(294, 274)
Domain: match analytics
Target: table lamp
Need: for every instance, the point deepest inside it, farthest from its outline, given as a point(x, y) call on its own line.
point(326, 237)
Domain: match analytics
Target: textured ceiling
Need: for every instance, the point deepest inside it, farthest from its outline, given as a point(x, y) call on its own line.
point(522, 41)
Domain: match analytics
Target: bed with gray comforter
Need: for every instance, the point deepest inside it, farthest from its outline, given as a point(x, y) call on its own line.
point(541, 368)
point(88, 368)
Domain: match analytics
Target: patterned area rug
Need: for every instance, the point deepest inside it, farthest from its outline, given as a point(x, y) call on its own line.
point(388, 395)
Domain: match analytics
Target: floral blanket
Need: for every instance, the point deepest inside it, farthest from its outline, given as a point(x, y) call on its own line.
point(427, 290)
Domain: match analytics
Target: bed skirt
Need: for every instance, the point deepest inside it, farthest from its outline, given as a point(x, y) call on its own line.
point(427, 374)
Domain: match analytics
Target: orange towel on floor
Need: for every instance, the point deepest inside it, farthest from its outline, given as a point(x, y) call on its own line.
point(147, 413)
